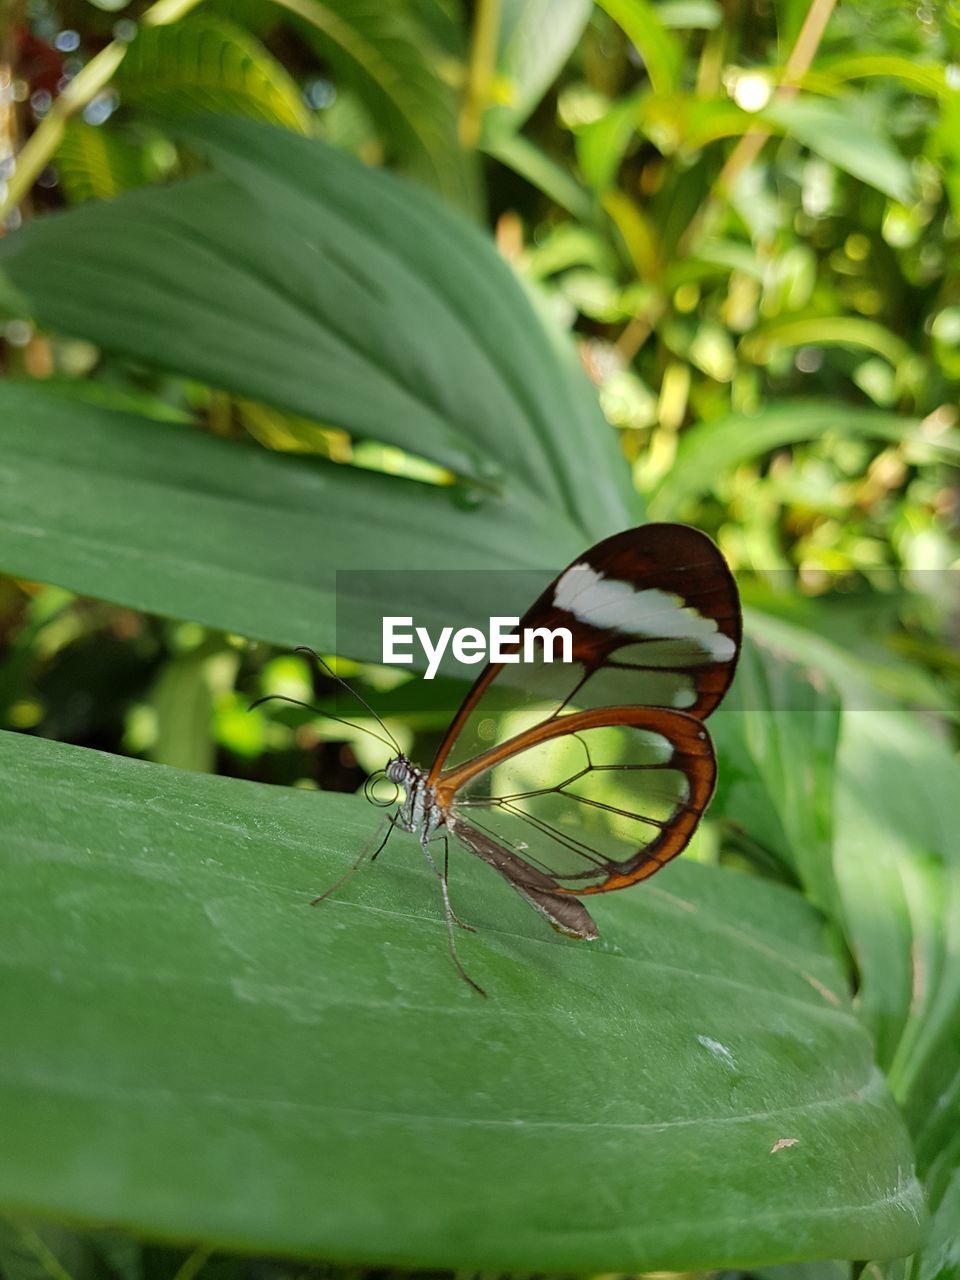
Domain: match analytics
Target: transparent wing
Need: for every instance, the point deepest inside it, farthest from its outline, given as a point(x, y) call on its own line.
point(654, 618)
point(591, 801)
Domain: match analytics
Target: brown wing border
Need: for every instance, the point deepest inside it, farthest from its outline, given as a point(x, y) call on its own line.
point(692, 754)
point(652, 546)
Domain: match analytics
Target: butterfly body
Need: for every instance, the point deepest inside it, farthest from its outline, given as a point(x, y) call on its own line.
point(420, 813)
point(601, 773)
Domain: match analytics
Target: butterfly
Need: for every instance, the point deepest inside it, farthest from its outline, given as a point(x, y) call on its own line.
point(603, 773)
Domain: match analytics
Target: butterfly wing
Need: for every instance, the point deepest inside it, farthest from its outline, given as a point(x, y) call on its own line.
point(654, 617)
point(593, 801)
point(603, 777)
point(567, 915)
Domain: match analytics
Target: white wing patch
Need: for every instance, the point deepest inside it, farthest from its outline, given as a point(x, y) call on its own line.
point(614, 605)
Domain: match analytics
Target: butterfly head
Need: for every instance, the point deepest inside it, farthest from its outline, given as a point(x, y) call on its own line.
point(400, 770)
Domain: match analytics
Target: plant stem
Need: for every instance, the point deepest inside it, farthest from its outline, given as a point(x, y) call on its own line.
point(483, 59)
point(193, 1264)
point(751, 144)
point(40, 147)
point(47, 1259)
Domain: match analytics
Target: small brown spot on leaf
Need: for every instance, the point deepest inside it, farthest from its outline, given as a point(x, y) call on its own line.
point(783, 1142)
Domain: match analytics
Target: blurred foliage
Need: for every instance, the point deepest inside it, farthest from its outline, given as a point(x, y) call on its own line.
point(746, 215)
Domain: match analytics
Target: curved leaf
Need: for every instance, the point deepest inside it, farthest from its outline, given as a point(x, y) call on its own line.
point(689, 1092)
point(204, 63)
point(165, 519)
point(826, 331)
point(661, 51)
point(926, 78)
point(95, 163)
point(339, 293)
point(526, 159)
point(840, 133)
point(403, 64)
point(709, 449)
point(535, 40)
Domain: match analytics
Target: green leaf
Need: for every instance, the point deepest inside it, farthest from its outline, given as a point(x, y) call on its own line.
point(204, 63)
point(602, 144)
point(709, 450)
point(405, 65)
point(777, 737)
point(692, 15)
point(182, 702)
point(850, 642)
point(680, 122)
point(851, 332)
point(946, 145)
point(838, 131)
point(333, 291)
point(165, 519)
point(95, 163)
point(130, 399)
point(661, 51)
point(525, 158)
point(687, 1093)
point(536, 38)
point(898, 864)
point(898, 867)
point(940, 1259)
point(13, 303)
point(929, 79)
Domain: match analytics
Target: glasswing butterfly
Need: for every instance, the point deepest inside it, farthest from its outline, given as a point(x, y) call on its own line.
point(603, 774)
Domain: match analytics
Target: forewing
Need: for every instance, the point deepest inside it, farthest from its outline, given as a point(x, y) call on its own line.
point(654, 617)
point(591, 801)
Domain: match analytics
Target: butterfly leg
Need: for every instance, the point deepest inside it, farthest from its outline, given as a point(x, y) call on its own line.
point(446, 880)
point(451, 918)
point(390, 823)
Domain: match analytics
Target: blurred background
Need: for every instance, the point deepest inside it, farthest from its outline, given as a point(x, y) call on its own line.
point(745, 214)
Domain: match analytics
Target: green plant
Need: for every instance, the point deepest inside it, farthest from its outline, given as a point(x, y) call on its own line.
point(199, 1058)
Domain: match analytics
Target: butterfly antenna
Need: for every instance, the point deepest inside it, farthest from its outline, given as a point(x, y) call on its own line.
point(350, 689)
point(355, 867)
point(307, 706)
point(451, 917)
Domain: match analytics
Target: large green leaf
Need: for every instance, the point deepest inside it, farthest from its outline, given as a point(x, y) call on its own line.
point(200, 1056)
point(162, 518)
point(340, 293)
